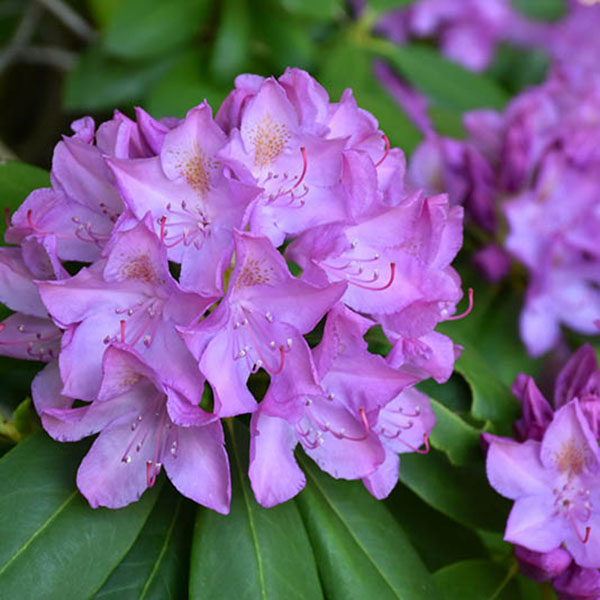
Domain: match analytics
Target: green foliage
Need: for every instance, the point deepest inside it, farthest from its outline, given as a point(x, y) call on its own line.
point(186, 84)
point(461, 493)
point(445, 82)
point(99, 82)
point(439, 540)
point(142, 29)
point(157, 565)
point(439, 534)
point(53, 544)
point(253, 552)
point(362, 551)
point(478, 579)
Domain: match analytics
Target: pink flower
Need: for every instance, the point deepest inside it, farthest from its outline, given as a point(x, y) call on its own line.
point(554, 485)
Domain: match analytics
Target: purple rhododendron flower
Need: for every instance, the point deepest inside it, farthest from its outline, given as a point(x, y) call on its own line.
point(555, 487)
point(552, 475)
point(127, 296)
point(347, 408)
point(137, 416)
point(185, 229)
point(578, 584)
point(542, 566)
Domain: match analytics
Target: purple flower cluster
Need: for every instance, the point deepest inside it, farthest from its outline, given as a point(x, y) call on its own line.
point(552, 475)
point(534, 165)
point(154, 275)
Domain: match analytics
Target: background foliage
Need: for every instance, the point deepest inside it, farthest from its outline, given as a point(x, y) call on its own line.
point(439, 535)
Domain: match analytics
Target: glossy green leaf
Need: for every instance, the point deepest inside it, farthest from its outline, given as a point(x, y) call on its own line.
point(157, 565)
point(455, 394)
point(438, 539)
point(53, 544)
point(98, 83)
point(253, 552)
point(461, 493)
point(478, 580)
point(442, 80)
point(492, 399)
point(458, 439)
point(17, 180)
point(231, 48)
point(362, 552)
point(141, 29)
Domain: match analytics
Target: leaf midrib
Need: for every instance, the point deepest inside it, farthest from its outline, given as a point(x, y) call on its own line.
point(259, 559)
point(38, 532)
point(162, 552)
point(349, 529)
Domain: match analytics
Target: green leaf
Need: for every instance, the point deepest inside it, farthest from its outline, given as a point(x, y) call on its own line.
point(98, 83)
point(53, 544)
point(142, 29)
point(492, 400)
point(231, 47)
point(438, 539)
point(458, 439)
point(478, 580)
point(185, 85)
point(443, 81)
point(157, 565)
point(17, 180)
point(461, 493)
point(284, 41)
point(362, 552)
point(253, 552)
point(455, 394)
point(317, 9)
point(349, 66)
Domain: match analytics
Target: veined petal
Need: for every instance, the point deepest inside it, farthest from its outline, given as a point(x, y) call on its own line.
point(199, 467)
point(532, 523)
point(383, 480)
point(274, 473)
point(515, 469)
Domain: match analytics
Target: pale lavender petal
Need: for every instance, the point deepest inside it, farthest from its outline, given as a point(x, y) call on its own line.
point(274, 473)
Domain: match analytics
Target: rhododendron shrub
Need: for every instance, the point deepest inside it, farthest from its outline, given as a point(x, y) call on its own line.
point(315, 336)
point(182, 233)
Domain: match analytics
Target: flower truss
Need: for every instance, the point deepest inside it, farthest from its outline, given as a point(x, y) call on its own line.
point(552, 474)
point(531, 170)
point(173, 258)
